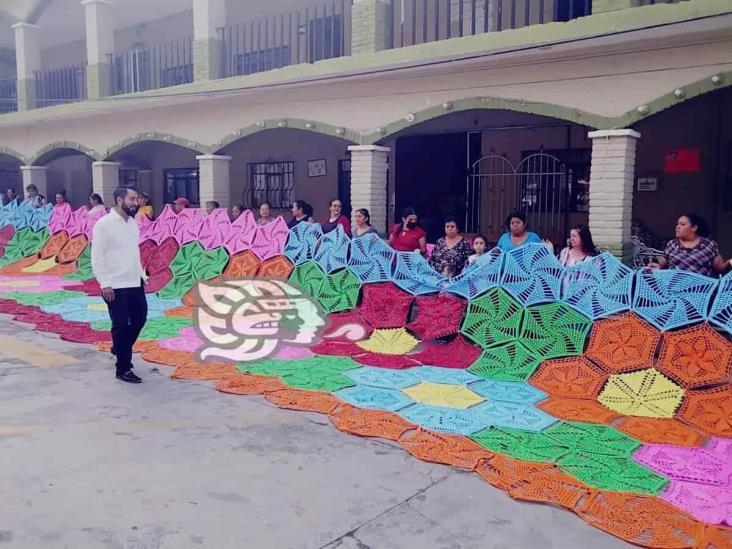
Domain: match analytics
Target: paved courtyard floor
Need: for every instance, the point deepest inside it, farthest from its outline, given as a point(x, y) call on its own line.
point(88, 461)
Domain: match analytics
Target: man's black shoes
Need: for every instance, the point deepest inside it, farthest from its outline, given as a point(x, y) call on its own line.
point(129, 377)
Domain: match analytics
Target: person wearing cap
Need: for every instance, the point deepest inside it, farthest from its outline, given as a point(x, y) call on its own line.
point(180, 204)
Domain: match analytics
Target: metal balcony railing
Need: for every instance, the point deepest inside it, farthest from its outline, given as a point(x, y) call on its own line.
point(149, 68)
point(62, 85)
point(302, 36)
point(8, 94)
point(420, 21)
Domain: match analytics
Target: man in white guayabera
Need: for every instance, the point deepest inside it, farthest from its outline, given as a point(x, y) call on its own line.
point(115, 258)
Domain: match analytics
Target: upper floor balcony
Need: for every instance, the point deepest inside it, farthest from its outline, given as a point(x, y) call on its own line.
point(225, 38)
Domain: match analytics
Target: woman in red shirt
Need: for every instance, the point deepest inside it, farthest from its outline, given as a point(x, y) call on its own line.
point(407, 236)
point(336, 218)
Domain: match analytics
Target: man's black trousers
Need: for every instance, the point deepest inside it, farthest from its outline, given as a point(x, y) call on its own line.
point(128, 312)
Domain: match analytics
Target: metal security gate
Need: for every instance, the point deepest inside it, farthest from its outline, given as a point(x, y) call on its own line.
point(538, 186)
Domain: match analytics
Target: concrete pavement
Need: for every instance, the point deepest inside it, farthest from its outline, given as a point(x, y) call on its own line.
point(88, 461)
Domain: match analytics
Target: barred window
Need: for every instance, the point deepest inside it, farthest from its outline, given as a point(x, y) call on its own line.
point(272, 182)
point(181, 183)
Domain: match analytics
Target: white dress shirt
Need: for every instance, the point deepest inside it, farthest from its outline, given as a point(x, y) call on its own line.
point(115, 252)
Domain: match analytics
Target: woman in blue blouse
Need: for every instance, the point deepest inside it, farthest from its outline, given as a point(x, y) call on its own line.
point(517, 235)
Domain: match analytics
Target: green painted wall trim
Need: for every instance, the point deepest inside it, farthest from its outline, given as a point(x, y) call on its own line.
point(194, 146)
point(670, 99)
point(292, 123)
point(13, 153)
point(546, 34)
point(577, 116)
point(37, 159)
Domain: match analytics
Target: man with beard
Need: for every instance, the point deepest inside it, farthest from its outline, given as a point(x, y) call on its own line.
point(116, 264)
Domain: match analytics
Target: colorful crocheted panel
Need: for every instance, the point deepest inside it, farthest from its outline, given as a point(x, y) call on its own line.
point(604, 391)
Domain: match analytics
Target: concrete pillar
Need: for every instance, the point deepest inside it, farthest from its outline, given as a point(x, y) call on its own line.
point(602, 6)
point(27, 63)
point(370, 26)
point(369, 167)
point(99, 45)
point(35, 175)
point(105, 180)
point(612, 178)
point(208, 16)
point(213, 178)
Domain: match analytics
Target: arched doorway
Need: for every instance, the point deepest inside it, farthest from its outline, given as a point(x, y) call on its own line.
point(165, 171)
point(281, 165)
point(68, 170)
point(479, 165)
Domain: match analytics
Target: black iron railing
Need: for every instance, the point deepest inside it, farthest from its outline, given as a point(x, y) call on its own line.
point(152, 67)
point(62, 85)
point(306, 35)
point(420, 21)
point(8, 94)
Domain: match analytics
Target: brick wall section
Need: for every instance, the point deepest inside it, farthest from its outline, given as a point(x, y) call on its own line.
point(612, 178)
point(105, 180)
point(371, 26)
point(369, 166)
point(213, 173)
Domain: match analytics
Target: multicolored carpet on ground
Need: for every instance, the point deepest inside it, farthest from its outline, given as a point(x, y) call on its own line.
point(595, 388)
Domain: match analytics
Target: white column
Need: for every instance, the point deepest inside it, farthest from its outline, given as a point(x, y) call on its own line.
point(208, 16)
point(213, 178)
point(27, 62)
point(369, 166)
point(99, 44)
point(105, 180)
point(35, 175)
point(612, 178)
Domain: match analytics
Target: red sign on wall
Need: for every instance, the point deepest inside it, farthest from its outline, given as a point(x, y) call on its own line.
point(681, 161)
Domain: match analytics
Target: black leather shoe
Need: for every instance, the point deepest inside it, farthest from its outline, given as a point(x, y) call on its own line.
point(129, 377)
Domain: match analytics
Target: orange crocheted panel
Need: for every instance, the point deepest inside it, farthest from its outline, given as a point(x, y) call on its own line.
point(208, 372)
point(73, 249)
point(504, 472)
point(660, 431)
point(623, 344)
point(709, 410)
point(574, 377)
point(443, 448)
point(245, 384)
point(551, 485)
point(17, 267)
point(275, 267)
point(639, 519)
point(242, 265)
point(306, 401)
point(54, 245)
point(696, 357)
point(369, 423)
point(571, 409)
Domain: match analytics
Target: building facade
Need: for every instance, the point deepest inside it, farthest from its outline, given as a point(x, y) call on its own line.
point(608, 112)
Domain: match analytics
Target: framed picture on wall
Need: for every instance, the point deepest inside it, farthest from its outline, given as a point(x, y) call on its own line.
point(647, 184)
point(316, 168)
